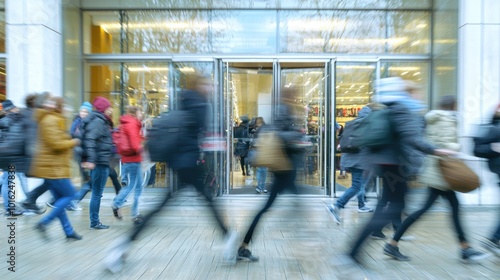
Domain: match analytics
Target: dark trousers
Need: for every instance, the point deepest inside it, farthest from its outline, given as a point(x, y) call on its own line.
point(282, 181)
point(33, 195)
point(433, 195)
point(114, 178)
point(192, 176)
point(394, 190)
point(245, 168)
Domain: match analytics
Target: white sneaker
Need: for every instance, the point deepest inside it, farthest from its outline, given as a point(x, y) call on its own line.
point(230, 246)
point(408, 238)
point(116, 255)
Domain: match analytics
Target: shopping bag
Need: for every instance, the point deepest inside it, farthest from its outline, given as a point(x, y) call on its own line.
point(458, 175)
point(431, 175)
point(270, 152)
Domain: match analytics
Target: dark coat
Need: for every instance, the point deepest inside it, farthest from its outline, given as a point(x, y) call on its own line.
point(189, 152)
point(97, 142)
point(408, 140)
point(16, 126)
point(494, 163)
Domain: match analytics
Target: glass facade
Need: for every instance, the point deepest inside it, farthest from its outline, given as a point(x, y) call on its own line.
point(3, 69)
point(333, 51)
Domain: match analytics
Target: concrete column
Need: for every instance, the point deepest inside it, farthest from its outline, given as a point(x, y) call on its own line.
point(478, 82)
point(34, 47)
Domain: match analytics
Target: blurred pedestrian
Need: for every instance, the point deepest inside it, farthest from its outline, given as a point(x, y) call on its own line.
point(131, 127)
point(97, 147)
point(53, 163)
point(242, 133)
point(185, 162)
point(286, 126)
point(260, 170)
point(390, 161)
point(441, 130)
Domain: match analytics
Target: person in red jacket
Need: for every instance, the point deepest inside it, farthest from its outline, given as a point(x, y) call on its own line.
point(132, 127)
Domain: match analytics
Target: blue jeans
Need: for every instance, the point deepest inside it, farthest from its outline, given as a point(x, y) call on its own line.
point(133, 170)
point(63, 192)
point(261, 177)
point(98, 178)
point(358, 187)
point(5, 187)
point(82, 192)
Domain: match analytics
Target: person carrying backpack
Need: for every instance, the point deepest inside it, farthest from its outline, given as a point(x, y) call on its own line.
point(389, 161)
point(130, 127)
point(492, 242)
point(14, 156)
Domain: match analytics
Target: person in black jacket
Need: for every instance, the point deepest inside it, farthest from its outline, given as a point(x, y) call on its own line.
point(97, 147)
point(185, 162)
point(243, 146)
point(390, 162)
point(16, 163)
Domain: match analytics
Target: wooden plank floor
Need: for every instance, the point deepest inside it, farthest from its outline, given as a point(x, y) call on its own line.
point(296, 239)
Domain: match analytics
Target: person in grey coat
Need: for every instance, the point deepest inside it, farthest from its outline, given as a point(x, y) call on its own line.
point(355, 163)
point(389, 162)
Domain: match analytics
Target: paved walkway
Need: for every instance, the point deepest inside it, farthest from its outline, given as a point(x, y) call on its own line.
point(295, 240)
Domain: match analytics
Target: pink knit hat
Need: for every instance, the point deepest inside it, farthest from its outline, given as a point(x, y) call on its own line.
point(101, 104)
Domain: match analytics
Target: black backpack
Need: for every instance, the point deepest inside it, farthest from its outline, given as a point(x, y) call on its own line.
point(345, 143)
point(484, 137)
point(166, 134)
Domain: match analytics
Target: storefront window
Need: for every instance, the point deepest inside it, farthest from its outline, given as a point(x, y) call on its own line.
point(3, 81)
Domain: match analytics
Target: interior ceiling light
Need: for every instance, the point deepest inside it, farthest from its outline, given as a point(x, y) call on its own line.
point(146, 69)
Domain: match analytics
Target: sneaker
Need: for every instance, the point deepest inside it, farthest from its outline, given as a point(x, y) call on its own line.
point(230, 246)
point(245, 255)
point(393, 251)
point(50, 204)
point(13, 213)
point(408, 238)
point(470, 255)
point(378, 235)
point(258, 190)
point(32, 207)
point(99, 226)
point(364, 209)
point(74, 236)
point(491, 246)
point(138, 219)
point(116, 213)
point(334, 212)
point(116, 255)
point(74, 206)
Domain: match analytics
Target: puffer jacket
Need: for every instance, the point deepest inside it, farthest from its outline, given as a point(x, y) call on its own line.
point(18, 156)
point(441, 130)
point(408, 139)
point(97, 143)
point(54, 150)
point(356, 160)
point(132, 128)
point(189, 152)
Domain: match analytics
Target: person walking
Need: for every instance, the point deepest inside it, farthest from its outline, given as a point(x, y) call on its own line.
point(185, 162)
point(131, 127)
point(288, 131)
point(353, 162)
point(390, 161)
point(492, 243)
point(441, 130)
point(97, 147)
point(243, 146)
point(261, 171)
point(53, 164)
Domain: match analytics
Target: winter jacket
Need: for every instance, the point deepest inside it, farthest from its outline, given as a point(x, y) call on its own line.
point(76, 126)
point(132, 128)
point(189, 152)
point(97, 142)
point(54, 150)
point(494, 163)
point(16, 126)
point(441, 130)
point(31, 129)
point(356, 160)
point(407, 141)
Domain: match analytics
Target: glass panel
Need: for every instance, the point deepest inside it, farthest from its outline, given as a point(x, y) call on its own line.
point(353, 90)
point(72, 78)
point(409, 32)
point(310, 83)
point(243, 31)
point(2, 31)
point(3, 81)
point(249, 88)
point(332, 31)
point(356, 4)
point(417, 72)
point(101, 32)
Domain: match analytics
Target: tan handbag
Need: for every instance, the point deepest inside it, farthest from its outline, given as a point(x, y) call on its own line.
point(460, 177)
point(270, 152)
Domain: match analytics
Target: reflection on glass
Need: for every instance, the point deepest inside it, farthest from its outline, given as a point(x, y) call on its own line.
point(416, 72)
point(409, 32)
point(3, 81)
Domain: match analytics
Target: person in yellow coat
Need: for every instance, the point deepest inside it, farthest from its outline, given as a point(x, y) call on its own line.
point(52, 162)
